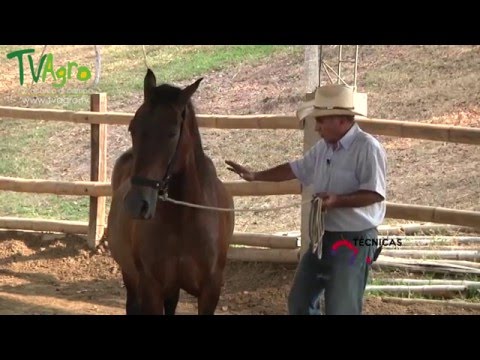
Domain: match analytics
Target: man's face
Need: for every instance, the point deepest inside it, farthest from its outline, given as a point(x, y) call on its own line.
point(330, 127)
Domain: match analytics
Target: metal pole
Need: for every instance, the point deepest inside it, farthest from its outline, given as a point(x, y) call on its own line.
point(339, 63)
point(320, 62)
point(355, 69)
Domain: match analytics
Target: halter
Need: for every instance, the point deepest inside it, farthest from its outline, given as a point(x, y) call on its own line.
point(162, 185)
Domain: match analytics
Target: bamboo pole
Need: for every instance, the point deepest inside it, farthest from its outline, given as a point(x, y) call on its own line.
point(259, 188)
point(432, 246)
point(471, 255)
point(405, 129)
point(422, 266)
point(81, 228)
point(237, 188)
point(88, 188)
point(244, 188)
point(286, 256)
point(68, 227)
point(472, 284)
point(265, 240)
point(438, 240)
point(419, 130)
point(258, 121)
point(78, 117)
point(407, 301)
point(464, 263)
point(411, 229)
point(422, 289)
point(433, 214)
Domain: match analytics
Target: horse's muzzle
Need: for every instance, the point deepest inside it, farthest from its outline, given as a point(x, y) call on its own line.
point(140, 204)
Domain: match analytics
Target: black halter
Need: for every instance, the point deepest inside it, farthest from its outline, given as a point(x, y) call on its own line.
point(162, 185)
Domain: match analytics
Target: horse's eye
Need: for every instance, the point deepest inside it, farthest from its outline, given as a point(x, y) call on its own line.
point(171, 134)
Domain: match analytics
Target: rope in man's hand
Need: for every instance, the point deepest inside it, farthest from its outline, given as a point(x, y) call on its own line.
point(316, 224)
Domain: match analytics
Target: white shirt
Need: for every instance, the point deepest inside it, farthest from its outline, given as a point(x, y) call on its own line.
point(358, 163)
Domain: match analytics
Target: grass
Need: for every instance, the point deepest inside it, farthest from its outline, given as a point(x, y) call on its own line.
point(21, 139)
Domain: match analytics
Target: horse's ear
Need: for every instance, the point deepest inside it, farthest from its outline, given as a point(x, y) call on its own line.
point(187, 93)
point(149, 83)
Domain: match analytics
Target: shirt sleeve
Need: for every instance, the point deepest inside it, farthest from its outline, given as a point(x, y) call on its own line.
point(372, 168)
point(304, 168)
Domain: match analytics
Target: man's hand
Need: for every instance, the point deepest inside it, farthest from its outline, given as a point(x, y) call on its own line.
point(329, 201)
point(243, 172)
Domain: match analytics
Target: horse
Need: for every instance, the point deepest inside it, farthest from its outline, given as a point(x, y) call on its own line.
point(164, 246)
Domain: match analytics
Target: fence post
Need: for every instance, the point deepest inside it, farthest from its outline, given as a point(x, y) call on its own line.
point(98, 170)
point(312, 67)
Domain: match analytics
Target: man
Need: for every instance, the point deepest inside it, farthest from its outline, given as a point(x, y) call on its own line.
point(347, 169)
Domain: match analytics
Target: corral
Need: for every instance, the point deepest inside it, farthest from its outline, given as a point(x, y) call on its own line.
point(242, 295)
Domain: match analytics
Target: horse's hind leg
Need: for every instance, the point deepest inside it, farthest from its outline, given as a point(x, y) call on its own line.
point(209, 296)
point(170, 303)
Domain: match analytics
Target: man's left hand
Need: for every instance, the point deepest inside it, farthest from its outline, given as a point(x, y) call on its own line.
point(329, 201)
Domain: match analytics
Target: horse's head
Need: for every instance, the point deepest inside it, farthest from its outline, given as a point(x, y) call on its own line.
point(156, 136)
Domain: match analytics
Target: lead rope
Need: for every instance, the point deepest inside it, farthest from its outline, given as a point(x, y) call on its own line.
point(316, 225)
point(316, 219)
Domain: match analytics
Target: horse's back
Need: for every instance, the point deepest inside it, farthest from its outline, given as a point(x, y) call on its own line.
point(224, 199)
point(119, 224)
point(122, 169)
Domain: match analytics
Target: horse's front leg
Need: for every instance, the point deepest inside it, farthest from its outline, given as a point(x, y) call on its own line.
point(151, 296)
point(210, 294)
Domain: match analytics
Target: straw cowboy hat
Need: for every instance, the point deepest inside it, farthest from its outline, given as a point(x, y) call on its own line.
point(336, 99)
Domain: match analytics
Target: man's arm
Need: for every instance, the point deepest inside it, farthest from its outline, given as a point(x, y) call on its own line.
point(302, 169)
point(282, 172)
point(358, 199)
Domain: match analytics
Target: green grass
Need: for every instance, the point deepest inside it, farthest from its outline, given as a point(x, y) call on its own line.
point(21, 139)
point(126, 65)
point(22, 148)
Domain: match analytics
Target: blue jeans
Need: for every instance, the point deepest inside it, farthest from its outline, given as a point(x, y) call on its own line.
point(341, 275)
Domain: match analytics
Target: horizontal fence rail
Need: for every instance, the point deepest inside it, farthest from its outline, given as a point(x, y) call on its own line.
point(90, 188)
point(404, 129)
point(242, 188)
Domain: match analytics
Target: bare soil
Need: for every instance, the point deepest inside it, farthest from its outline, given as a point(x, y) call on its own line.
point(48, 274)
point(57, 274)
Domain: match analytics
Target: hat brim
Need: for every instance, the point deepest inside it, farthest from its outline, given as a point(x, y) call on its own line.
point(311, 111)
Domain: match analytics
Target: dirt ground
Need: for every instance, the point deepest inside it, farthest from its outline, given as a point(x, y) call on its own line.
point(51, 274)
point(56, 274)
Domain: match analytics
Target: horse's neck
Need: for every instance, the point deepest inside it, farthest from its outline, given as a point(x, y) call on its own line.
point(191, 178)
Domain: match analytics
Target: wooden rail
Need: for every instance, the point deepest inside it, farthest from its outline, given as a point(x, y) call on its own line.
point(404, 129)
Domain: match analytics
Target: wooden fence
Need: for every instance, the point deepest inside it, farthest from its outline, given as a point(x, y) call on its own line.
point(267, 247)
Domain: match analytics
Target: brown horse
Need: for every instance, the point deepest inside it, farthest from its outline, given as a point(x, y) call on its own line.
point(163, 247)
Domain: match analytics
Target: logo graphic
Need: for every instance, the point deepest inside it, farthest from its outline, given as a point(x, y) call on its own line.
point(45, 66)
point(352, 246)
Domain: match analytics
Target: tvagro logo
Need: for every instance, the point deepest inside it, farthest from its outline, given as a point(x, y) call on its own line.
point(353, 245)
point(45, 68)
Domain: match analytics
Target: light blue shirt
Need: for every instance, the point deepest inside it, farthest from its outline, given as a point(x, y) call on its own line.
point(357, 163)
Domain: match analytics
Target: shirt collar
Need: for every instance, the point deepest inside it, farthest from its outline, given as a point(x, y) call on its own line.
point(348, 138)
